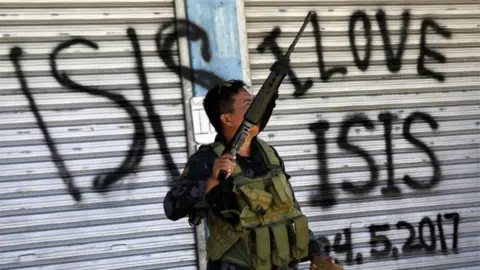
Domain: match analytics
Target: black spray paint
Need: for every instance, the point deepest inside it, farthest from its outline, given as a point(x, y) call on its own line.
point(425, 51)
point(270, 42)
point(387, 120)
point(153, 117)
point(326, 196)
point(410, 244)
point(367, 28)
point(381, 247)
point(441, 232)
point(192, 32)
point(326, 193)
point(325, 74)
point(15, 55)
point(346, 247)
point(437, 174)
point(135, 153)
point(207, 79)
point(343, 143)
point(394, 61)
point(456, 223)
point(377, 239)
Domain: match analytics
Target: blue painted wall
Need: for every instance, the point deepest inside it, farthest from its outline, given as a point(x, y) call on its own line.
point(219, 19)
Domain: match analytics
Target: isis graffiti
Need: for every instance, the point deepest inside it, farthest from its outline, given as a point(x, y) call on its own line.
point(135, 154)
point(393, 60)
point(326, 194)
point(166, 41)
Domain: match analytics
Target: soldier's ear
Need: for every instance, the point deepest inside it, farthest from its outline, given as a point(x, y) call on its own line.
point(226, 119)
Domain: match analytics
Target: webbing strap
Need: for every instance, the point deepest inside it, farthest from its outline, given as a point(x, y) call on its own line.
point(271, 159)
point(218, 148)
point(269, 156)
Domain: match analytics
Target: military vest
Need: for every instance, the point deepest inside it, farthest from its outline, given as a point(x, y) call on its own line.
point(274, 231)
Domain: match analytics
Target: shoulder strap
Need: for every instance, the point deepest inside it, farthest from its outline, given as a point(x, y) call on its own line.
point(271, 159)
point(269, 156)
point(218, 148)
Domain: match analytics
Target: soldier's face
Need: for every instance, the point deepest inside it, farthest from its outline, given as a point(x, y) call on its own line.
point(241, 103)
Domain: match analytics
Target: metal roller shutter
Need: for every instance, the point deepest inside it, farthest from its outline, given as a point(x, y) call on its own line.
point(349, 139)
point(99, 124)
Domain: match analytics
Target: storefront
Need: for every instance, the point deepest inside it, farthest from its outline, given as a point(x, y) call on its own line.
point(377, 122)
point(101, 100)
point(379, 134)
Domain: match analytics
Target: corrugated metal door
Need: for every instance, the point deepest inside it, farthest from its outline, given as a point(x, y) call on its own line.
point(87, 93)
point(380, 134)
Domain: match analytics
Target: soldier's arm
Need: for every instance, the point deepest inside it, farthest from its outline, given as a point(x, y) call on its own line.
point(189, 190)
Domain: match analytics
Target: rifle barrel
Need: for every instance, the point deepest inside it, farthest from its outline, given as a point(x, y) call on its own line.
point(299, 34)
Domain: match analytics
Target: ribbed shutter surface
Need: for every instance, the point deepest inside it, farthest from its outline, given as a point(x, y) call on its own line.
point(335, 134)
point(104, 118)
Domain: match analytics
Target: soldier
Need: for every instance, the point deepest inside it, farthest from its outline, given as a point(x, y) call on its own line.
point(258, 223)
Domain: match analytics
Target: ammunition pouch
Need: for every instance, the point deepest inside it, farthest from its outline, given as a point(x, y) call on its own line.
point(276, 233)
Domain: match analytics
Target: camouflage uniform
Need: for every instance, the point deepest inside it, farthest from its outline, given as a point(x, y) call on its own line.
point(187, 196)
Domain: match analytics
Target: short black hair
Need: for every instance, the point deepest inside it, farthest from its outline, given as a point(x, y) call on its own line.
point(218, 101)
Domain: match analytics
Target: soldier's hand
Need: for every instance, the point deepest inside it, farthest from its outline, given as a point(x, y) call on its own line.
point(223, 163)
point(323, 262)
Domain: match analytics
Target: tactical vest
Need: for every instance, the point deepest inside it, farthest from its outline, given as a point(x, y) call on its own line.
point(273, 230)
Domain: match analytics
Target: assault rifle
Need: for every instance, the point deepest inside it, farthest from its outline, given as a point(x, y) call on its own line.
point(255, 112)
point(269, 89)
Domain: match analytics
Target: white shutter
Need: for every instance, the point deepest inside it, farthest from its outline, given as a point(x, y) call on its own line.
point(41, 225)
point(296, 131)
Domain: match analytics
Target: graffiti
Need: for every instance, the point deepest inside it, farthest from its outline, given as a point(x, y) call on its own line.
point(425, 51)
point(192, 32)
point(381, 247)
point(15, 55)
point(135, 154)
point(382, 241)
point(269, 42)
point(326, 195)
point(154, 118)
point(325, 74)
point(387, 120)
point(393, 60)
point(367, 26)
point(434, 161)
point(165, 42)
point(343, 143)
